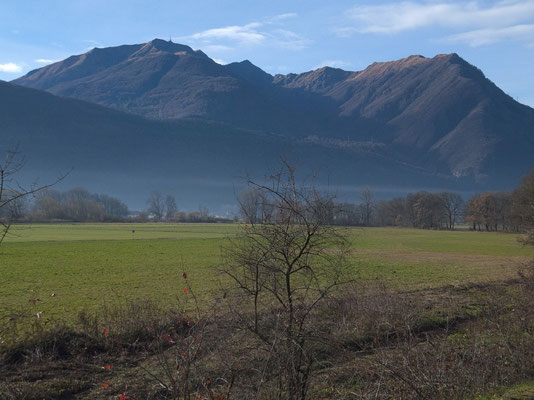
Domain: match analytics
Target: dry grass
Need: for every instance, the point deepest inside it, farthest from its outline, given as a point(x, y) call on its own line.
point(422, 269)
point(372, 343)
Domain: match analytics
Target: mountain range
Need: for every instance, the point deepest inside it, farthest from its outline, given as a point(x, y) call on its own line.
point(416, 122)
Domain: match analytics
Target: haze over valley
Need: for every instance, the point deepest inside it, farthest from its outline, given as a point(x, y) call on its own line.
point(160, 115)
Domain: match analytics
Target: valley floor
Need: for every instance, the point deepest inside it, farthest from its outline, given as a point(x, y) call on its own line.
point(60, 269)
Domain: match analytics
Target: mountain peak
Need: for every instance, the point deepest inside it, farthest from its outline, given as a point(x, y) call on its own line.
point(166, 46)
point(320, 80)
point(329, 71)
point(450, 56)
point(414, 58)
point(249, 72)
point(378, 69)
point(403, 62)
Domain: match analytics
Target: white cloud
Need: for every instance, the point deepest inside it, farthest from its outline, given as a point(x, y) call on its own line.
point(216, 48)
point(282, 17)
point(220, 61)
point(246, 34)
point(288, 39)
point(408, 15)
point(333, 64)
point(10, 68)
point(266, 33)
point(44, 61)
point(480, 37)
point(476, 22)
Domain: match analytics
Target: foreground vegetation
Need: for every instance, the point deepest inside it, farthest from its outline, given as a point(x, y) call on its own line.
point(78, 298)
point(474, 342)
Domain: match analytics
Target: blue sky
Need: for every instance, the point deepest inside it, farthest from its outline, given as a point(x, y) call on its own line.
point(282, 36)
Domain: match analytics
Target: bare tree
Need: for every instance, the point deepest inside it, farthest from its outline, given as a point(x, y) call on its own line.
point(472, 212)
point(284, 267)
point(523, 204)
point(12, 193)
point(170, 208)
point(367, 205)
point(429, 211)
point(452, 205)
point(250, 205)
point(490, 210)
point(156, 205)
point(77, 205)
point(17, 209)
point(204, 212)
point(392, 212)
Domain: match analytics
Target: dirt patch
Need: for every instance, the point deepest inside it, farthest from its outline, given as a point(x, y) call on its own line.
point(480, 268)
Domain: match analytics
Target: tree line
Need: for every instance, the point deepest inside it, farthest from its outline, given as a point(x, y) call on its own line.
point(490, 211)
point(509, 211)
point(419, 210)
point(423, 210)
point(163, 208)
point(76, 204)
point(79, 205)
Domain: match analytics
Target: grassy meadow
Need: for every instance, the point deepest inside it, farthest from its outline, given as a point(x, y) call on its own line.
point(60, 269)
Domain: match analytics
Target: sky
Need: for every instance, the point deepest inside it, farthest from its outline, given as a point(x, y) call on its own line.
point(281, 36)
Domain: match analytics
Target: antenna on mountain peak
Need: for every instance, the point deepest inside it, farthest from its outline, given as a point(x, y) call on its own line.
point(170, 39)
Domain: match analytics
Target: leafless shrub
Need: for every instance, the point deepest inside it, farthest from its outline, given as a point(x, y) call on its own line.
point(12, 193)
point(282, 269)
point(184, 347)
point(365, 316)
point(454, 360)
point(528, 239)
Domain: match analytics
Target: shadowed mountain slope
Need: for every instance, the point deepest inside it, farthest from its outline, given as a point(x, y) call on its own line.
point(441, 109)
point(199, 161)
point(440, 114)
point(164, 80)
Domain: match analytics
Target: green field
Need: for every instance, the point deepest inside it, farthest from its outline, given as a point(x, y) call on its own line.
point(64, 268)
